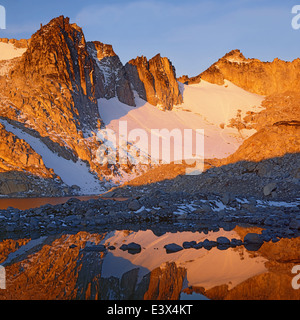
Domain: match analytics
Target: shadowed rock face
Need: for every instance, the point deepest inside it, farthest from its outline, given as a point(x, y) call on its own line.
point(111, 78)
point(155, 81)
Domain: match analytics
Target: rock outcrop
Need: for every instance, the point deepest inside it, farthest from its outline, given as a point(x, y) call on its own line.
point(154, 81)
point(269, 142)
point(53, 92)
point(57, 59)
point(17, 155)
point(50, 92)
point(22, 43)
point(111, 78)
point(253, 75)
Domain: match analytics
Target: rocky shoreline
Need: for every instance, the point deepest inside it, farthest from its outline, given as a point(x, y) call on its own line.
point(160, 211)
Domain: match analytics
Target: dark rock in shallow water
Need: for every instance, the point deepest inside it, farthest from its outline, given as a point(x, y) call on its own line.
point(124, 247)
point(236, 242)
point(95, 248)
point(208, 244)
point(223, 241)
point(198, 245)
point(73, 201)
point(253, 241)
point(132, 248)
point(253, 238)
point(172, 247)
point(189, 244)
point(253, 246)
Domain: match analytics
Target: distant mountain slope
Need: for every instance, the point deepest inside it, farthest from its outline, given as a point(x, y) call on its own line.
point(253, 75)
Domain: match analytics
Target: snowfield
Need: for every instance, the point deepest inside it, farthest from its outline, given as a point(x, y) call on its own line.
point(9, 51)
point(206, 106)
point(160, 135)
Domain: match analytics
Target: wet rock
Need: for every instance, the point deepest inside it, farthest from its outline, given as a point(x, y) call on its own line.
point(223, 241)
point(172, 247)
point(236, 242)
point(95, 248)
point(73, 201)
point(208, 244)
point(132, 248)
point(199, 245)
point(253, 238)
point(189, 244)
point(124, 247)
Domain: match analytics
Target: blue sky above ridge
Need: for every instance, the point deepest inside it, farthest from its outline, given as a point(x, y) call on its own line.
point(193, 34)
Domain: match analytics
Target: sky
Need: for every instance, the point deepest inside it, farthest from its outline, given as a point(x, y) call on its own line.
point(193, 34)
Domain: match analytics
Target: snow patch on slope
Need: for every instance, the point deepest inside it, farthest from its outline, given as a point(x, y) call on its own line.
point(218, 104)
point(206, 106)
point(71, 173)
point(9, 51)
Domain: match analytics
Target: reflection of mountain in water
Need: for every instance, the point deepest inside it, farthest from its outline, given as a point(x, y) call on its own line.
point(79, 267)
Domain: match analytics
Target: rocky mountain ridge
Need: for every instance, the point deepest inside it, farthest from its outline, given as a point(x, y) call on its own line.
point(253, 75)
point(52, 92)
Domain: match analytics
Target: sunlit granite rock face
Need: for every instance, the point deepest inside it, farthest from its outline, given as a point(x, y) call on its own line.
point(155, 81)
point(52, 91)
point(253, 75)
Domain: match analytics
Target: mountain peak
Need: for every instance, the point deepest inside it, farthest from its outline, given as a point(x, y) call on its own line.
point(61, 21)
point(235, 56)
point(154, 81)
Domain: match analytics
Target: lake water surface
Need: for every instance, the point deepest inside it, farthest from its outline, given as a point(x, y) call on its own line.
point(29, 203)
point(74, 266)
